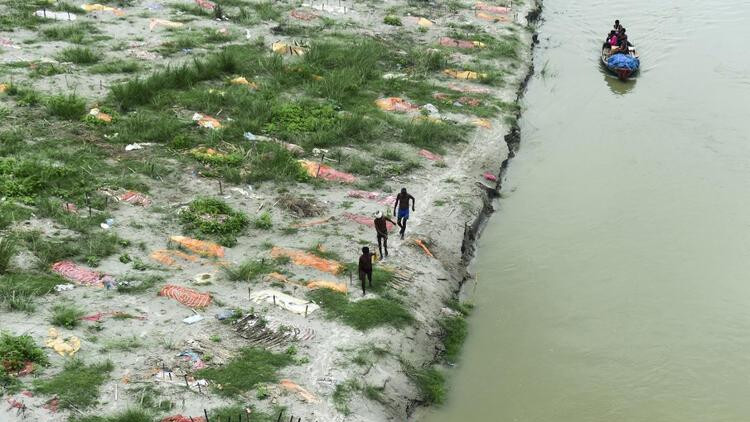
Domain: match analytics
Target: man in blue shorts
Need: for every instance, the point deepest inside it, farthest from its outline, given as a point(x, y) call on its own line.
point(402, 203)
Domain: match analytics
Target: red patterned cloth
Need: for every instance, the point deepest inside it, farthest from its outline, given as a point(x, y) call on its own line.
point(188, 297)
point(135, 198)
point(80, 275)
point(429, 155)
point(180, 418)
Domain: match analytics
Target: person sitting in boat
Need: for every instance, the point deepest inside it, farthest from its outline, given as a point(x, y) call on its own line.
point(617, 25)
point(622, 41)
point(611, 40)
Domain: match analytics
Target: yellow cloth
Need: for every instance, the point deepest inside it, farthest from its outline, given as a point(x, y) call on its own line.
point(64, 347)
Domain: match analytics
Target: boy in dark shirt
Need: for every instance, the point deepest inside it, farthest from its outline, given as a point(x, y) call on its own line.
point(381, 228)
point(365, 267)
point(402, 202)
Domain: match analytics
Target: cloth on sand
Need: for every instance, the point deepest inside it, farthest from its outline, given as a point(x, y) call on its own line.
point(464, 74)
point(323, 171)
point(96, 7)
point(57, 16)
point(185, 295)
point(380, 198)
point(423, 22)
point(80, 275)
point(365, 219)
point(288, 49)
point(395, 104)
point(483, 123)
point(323, 284)
point(430, 155)
point(205, 4)
point(452, 42)
point(312, 223)
point(290, 385)
point(165, 23)
point(167, 256)
point(63, 346)
point(99, 115)
point(303, 15)
point(492, 17)
point(201, 247)
point(135, 198)
point(307, 259)
point(241, 80)
point(498, 10)
point(180, 418)
point(284, 301)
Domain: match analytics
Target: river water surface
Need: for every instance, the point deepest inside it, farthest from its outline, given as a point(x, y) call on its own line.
point(614, 279)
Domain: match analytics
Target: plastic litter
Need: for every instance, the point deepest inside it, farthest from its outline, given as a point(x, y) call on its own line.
point(4, 42)
point(57, 16)
point(201, 247)
point(284, 301)
point(165, 23)
point(63, 346)
point(305, 395)
point(80, 275)
point(203, 279)
point(307, 259)
point(104, 117)
point(206, 121)
point(323, 171)
point(249, 136)
point(64, 287)
point(192, 319)
point(187, 296)
point(224, 314)
point(395, 104)
point(431, 109)
point(137, 145)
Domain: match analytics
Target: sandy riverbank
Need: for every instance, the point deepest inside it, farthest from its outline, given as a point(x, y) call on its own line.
point(449, 193)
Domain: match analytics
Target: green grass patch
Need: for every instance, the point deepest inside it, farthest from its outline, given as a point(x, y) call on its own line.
point(129, 415)
point(210, 216)
point(77, 33)
point(7, 251)
point(122, 344)
point(68, 106)
point(252, 366)
point(249, 270)
point(455, 330)
point(79, 55)
point(77, 385)
point(116, 66)
point(430, 381)
point(364, 314)
point(66, 316)
point(17, 291)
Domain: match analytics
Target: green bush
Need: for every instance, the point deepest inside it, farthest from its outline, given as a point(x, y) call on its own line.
point(249, 270)
point(213, 216)
point(66, 316)
point(263, 222)
point(15, 351)
point(364, 314)
point(392, 20)
point(295, 118)
point(69, 106)
point(252, 366)
point(79, 55)
point(77, 386)
point(7, 252)
point(430, 381)
point(454, 334)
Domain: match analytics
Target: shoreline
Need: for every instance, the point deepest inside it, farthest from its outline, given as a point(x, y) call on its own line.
point(454, 202)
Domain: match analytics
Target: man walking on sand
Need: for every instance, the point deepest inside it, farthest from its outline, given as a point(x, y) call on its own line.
point(381, 227)
point(365, 267)
point(402, 202)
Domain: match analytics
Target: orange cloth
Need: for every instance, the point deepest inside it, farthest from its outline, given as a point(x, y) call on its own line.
point(201, 247)
point(395, 104)
point(307, 260)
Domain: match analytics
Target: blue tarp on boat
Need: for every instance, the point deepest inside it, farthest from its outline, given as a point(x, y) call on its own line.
point(620, 61)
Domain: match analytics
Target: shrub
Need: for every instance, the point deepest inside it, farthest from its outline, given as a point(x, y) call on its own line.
point(69, 106)
point(77, 386)
point(252, 366)
point(392, 20)
point(248, 270)
point(15, 351)
point(79, 55)
point(213, 216)
point(263, 222)
point(7, 252)
point(66, 316)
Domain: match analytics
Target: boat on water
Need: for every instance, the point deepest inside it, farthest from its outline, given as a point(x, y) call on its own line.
point(624, 64)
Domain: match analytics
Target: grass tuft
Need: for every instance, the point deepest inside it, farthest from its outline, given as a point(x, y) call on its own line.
point(77, 386)
point(252, 366)
point(69, 106)
point(66, 316)
point(430, 381)
point(249, 270)
point(79, 55)
point(364, 314)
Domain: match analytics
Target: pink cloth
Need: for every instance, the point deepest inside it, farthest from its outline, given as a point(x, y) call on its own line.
point(429, 155)
point(451, 42)
point(493, 9)
point(135, 198)
point(80, 275)
point(380, 198)
point(205, 4)
point(491, 177)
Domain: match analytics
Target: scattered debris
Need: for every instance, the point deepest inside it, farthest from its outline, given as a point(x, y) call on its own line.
point(396, 104)
point(483, 123)
point(201, 247)
point(431, 109)
point(301, 207)
point(180, 418)
point(224, 314)
point(135, 198)
point(307, 259)
point(303, 15)
point(498, 10)
point(259, 332)
point(452, 42)
point(206, 121)
point(241, 80)
point(187, 296)
point(193, 319)
point(320, 170)
point(288, 49)
point(137, 145)
point(64, 287)
point(415, 20)
point(285, 301)
point(4, 42)
point(464, 74)
point(80, 275)
point(96, 7)
point(63, 346)
point(144, 55)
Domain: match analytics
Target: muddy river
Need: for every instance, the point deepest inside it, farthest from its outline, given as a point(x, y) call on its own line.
point(614, 279)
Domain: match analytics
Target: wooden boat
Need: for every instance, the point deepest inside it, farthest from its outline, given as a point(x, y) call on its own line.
point(621, 72)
